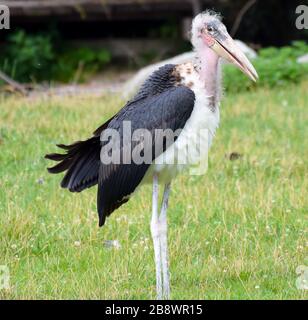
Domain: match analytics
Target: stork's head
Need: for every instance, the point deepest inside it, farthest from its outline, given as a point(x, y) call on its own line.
point(209, 32)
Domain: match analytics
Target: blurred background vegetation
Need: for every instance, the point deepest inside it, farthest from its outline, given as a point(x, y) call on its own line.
point(276, 67)
point(72, 47)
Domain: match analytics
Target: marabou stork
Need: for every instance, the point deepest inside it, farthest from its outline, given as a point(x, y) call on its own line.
point(178, 97)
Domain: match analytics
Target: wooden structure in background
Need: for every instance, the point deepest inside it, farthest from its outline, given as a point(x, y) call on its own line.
point(248, 19)
point(102, 9)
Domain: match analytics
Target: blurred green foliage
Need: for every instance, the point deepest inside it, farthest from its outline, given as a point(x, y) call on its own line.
point(28, 57)
point(77, 64)
point(39, 57)
point(45, 56)
point(275, 66)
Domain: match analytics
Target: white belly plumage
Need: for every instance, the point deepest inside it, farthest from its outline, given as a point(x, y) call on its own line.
point(192, 145)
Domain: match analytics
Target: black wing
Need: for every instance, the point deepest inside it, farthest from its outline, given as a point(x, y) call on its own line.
point(169, 109)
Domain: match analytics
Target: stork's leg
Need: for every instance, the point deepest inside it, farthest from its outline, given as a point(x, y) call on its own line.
point(155, 235)
point(164, 242)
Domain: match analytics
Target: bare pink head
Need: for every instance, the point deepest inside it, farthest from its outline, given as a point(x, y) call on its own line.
point(211, 41)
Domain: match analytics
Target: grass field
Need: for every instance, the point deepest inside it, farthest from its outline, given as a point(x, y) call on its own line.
point(236, 233)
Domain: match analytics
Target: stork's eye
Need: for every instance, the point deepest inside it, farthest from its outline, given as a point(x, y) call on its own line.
point(210, 28)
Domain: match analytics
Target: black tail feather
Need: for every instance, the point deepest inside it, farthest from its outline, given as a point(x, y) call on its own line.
point(55, 156)
point(60, 167)
point(81, 163)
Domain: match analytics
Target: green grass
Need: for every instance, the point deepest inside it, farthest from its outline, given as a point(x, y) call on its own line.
point(236, 233)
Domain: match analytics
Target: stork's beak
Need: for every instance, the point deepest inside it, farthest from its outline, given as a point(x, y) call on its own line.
point(227, 48)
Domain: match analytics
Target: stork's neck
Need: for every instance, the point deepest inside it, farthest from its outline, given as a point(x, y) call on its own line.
point(208, 67)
